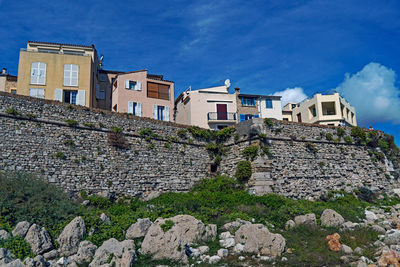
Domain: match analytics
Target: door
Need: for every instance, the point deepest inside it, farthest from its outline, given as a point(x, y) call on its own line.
point(299, 117)
point(222, 113)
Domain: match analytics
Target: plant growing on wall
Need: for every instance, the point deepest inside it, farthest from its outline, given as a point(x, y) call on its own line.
point(348, 139)
point(340, 132)
point(243, 171)
point(71, 123)
point(117, 139)
point(12, 111)
point(329, 136)
point(250, 152)
point(181, 133)
point(269, 122)
point(311, 147)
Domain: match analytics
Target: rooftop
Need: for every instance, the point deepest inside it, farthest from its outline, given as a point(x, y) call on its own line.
point(61, 44)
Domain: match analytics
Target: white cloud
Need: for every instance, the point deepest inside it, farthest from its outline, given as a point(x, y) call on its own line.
point(373, 93)
point(291, 95)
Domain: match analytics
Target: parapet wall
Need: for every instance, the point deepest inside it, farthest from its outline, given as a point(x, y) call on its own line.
point(78, 158)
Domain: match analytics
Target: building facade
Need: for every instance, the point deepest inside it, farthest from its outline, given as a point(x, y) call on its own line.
point(257, 106)
point(62, 72)
point(8, 83)
point(143, 95)
point(103, 94)
point(210, 108)
point(329, 109)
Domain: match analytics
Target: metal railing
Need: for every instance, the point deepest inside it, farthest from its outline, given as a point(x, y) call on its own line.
point(55, 52)
point(221, 116)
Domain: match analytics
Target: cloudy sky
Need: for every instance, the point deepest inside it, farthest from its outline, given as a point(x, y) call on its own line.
point(294, 48)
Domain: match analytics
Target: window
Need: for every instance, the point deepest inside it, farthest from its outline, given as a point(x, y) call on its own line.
point(135, 108)
point(268, 103)
point(293, 106)
point(313, 112)
point(35, 92)
point(285, 119)
point(156, 90)
point(100, 93)
point(38, 73)
point(70, 97)
point(328, 108)
point(161, 113)
point(13, 91)
point(245, 117)
point(133, 85)
point(71, 75)
point(76, 53)
point(248, 101)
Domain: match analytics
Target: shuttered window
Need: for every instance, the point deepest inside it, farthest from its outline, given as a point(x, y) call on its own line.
point(71, 75)
point(38, 73)
point(156, 90)
point(36, 92)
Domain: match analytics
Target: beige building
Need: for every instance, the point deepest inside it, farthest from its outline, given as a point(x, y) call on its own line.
point(63, 72)
point(322, 109)
point(8, 83)
point(257, 106)
point(210, 108)
point(143, 95)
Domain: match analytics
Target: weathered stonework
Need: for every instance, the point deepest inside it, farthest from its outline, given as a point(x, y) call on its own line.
point(165, 162)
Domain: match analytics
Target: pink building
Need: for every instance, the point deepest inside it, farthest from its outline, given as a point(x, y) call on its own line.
point(143, 95)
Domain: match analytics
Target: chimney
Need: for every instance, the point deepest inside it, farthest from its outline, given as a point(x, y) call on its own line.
point(237, 90)
point(4, 71)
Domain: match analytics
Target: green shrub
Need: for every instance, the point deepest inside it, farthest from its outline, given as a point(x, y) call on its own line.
point(116, 129)
point(12, 111)
point(89, 125)
point(236, 138)
point(329, 136)
point(268, 122)
point(311, 147)
point(69, 142)
point(250, 152)
point(182, 133)
point(348, 140)
point(359, 134)
point(31, 116)
point(25, 197)
point(71, 123)
point(243, 171)
point(224, 134)
point(199, 133)
point(365, 194)
point(340, 132)
point(168, 224)
point(145, 132)
point(17, 246)
point(384, 145)
point(60, 155)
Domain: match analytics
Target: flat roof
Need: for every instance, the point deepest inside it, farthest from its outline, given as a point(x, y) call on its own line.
point(49, 43)
point(267, 96)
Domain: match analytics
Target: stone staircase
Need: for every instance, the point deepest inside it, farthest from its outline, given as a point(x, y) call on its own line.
point(261, 181)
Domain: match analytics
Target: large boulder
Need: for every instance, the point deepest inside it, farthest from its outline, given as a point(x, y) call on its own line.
point(370, 216)
point(123, 253)
point(331, 218)
point(4, 234)
point(85, 252)
point(170, 244)
point(71, 236)
point(5, 256)
point(21, 229)
point(39, 239)
point(257, 239)
point(308, 219)
point(392, 237)
point(138, 229)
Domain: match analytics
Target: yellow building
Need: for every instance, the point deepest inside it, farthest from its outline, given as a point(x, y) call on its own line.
point(62, 72)
point(330, 109)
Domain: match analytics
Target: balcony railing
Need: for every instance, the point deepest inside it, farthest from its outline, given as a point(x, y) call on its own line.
point(221, 116)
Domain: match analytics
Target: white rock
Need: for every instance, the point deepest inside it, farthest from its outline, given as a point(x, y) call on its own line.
point(265, 258)
point(62, 261)
point(358, 250)
point(331, 218)
point(85, 252)
point(5, 256)
point(195, 252)
point(290, 224)
point(21, 229)
point(225, 235)
point(227, 243)
point(138, 229)
point(392, 237)
point(124, 253)
point(106, 219)
point(284, 259)
point(378, 229)
point(242, 258)
point(238, 248)
point(222, 252)
point(4, 234)
point(346, 249)
point(71, 236)
point(370, 216)
point(203, 249)
point(39, 239)
point(307, 219)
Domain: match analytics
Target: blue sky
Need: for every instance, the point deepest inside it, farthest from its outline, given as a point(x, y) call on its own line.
point(263, 47)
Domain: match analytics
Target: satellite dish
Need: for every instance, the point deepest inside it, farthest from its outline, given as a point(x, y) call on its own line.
point(227, 83)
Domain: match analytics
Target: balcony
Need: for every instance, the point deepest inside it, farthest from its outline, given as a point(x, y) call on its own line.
point(221, 116)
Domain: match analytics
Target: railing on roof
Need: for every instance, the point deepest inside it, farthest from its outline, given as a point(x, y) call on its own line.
point(56, 52)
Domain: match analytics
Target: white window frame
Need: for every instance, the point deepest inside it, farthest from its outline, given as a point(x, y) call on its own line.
point(71, 75)
point(36, 92)
point(38, 73)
